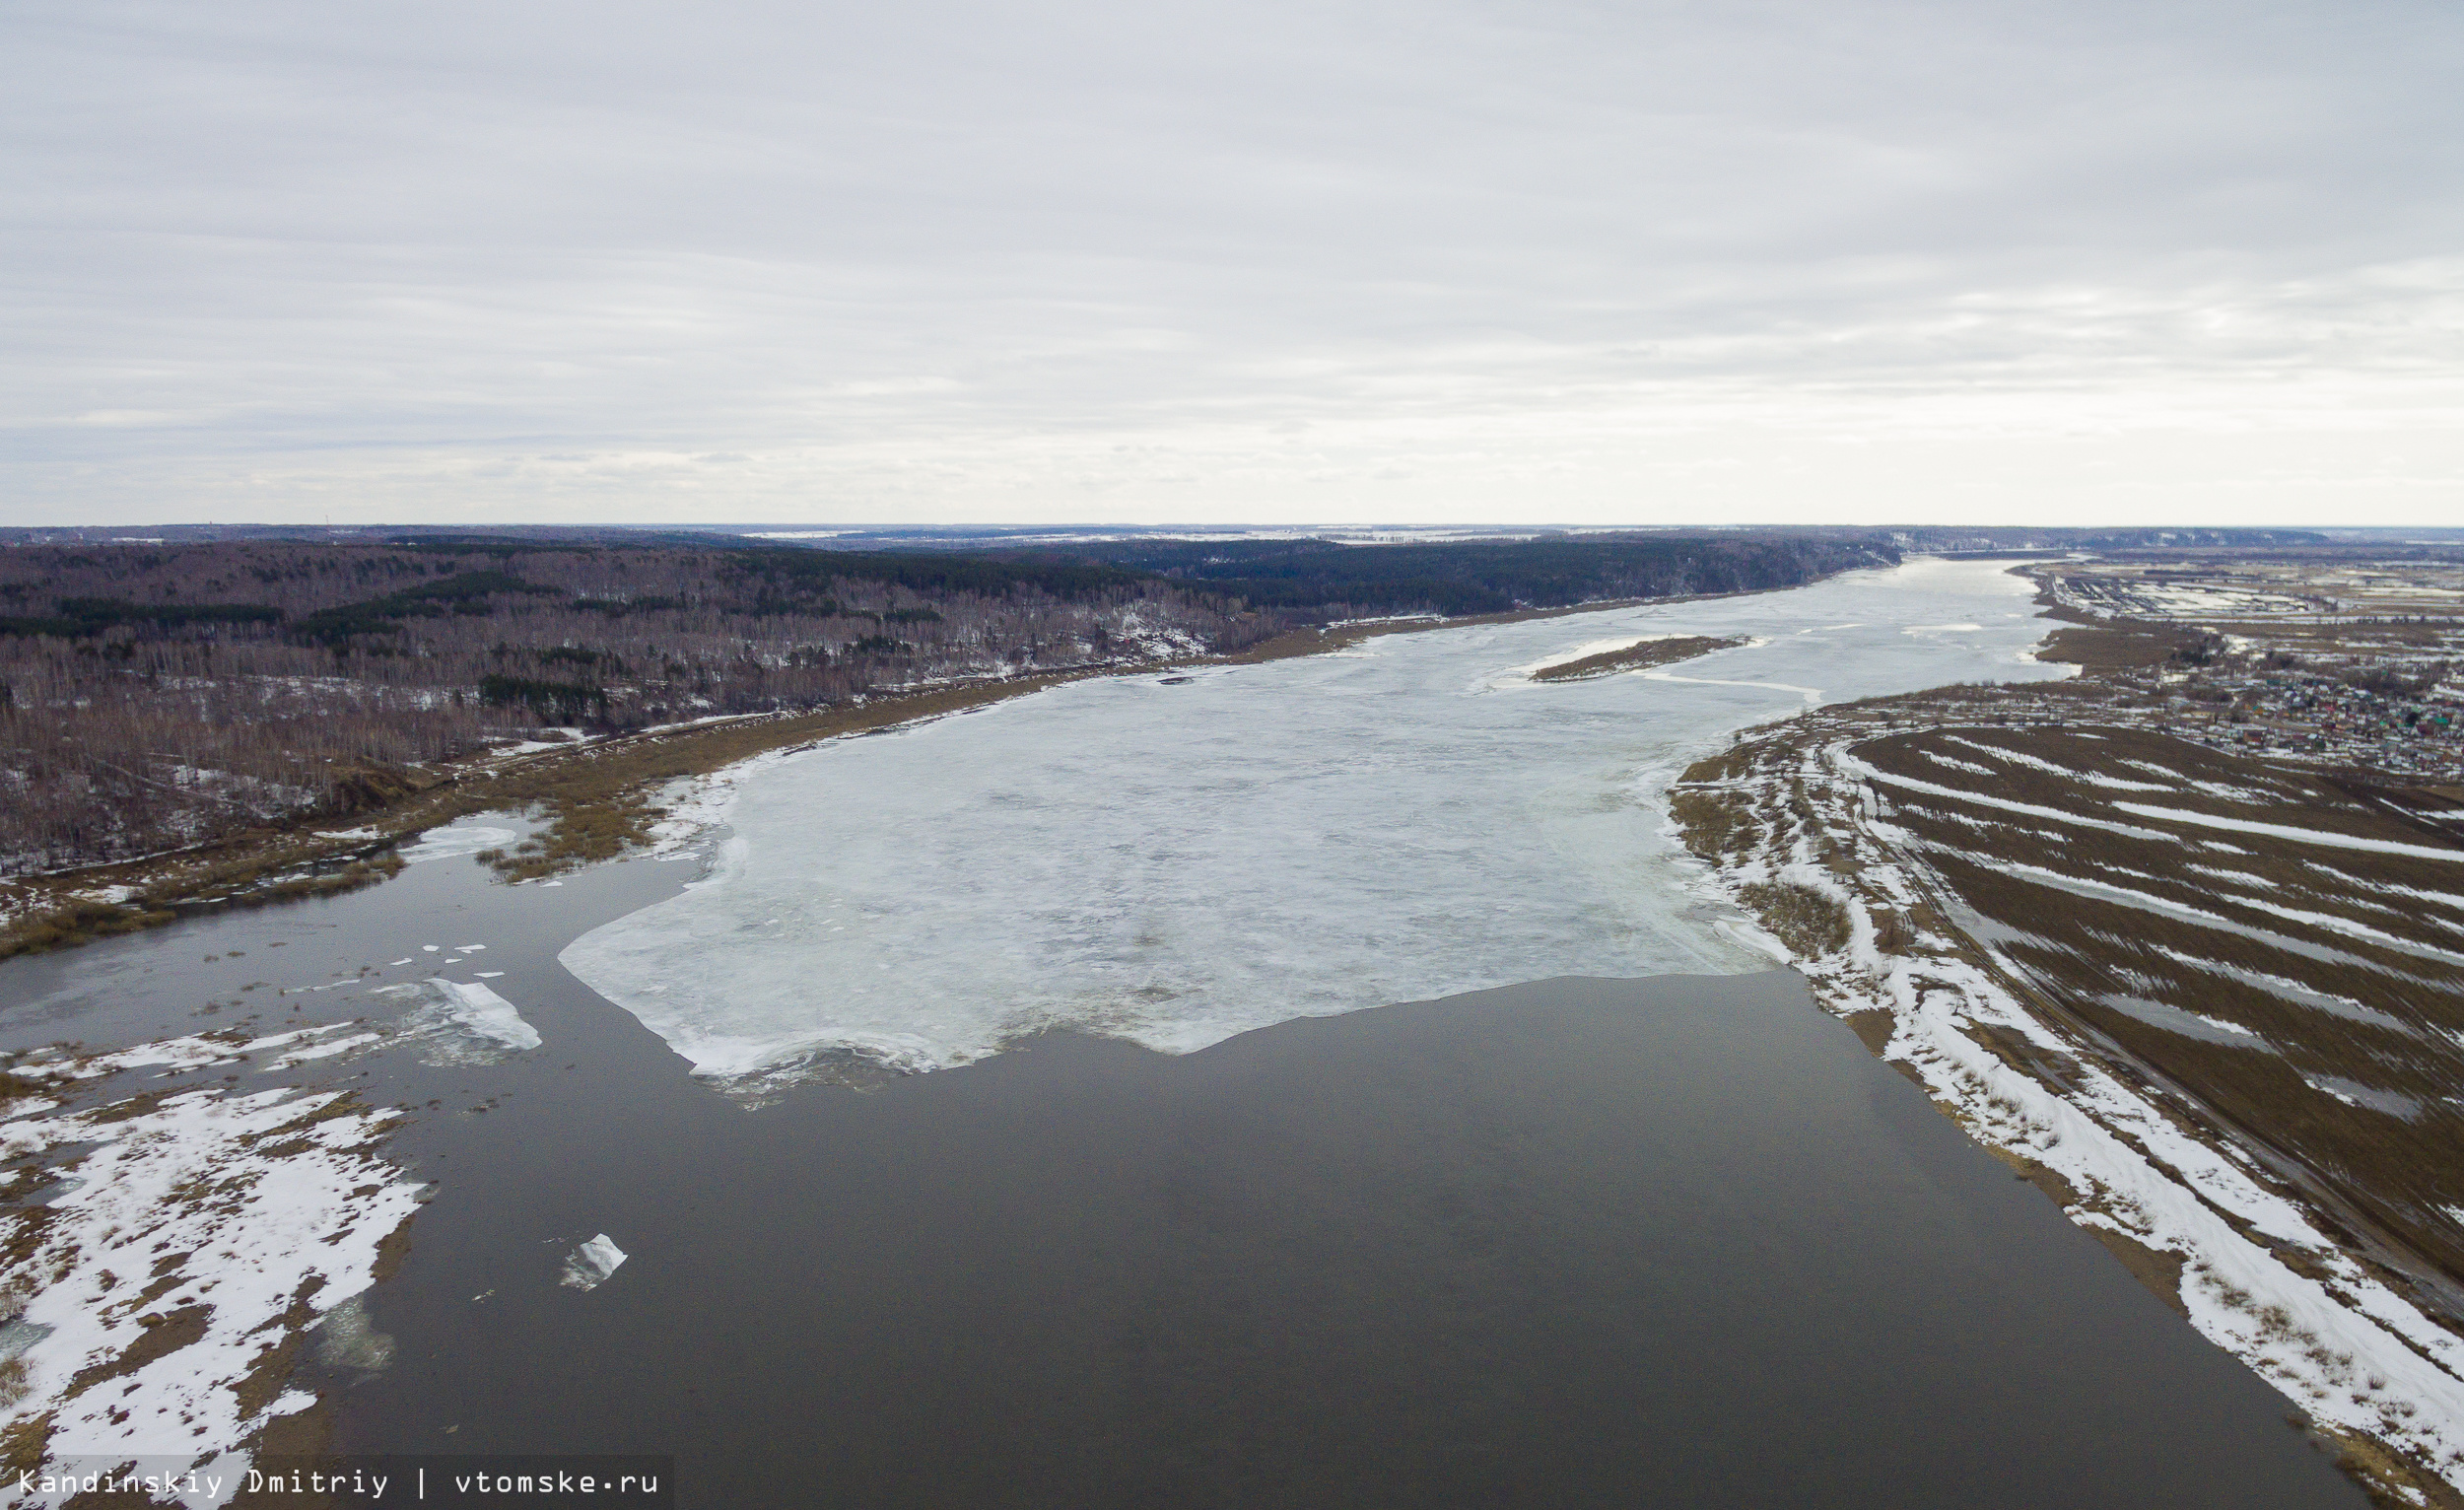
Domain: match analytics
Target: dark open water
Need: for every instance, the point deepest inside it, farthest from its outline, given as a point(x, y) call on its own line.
point(1676, 1242)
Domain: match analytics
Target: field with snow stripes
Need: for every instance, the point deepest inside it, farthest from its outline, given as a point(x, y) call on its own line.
point(2213, 1005)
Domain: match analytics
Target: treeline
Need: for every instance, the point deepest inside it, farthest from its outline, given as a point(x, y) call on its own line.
point(1495, 576)
point(152, 697)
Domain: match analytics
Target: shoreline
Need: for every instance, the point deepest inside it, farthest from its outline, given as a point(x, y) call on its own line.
point(596, 791)
point(1813, 844)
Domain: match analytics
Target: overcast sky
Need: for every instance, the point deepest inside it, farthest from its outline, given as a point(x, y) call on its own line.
point(956, 260)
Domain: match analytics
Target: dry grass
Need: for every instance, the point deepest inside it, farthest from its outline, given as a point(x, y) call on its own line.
point(25, 1444)
point(165, 1332)
point(2120, 646)
point(1637, 657)
point(1714, 823)
point(1724, 767)
point(1809, 923)
point(581, 831)
point(76, 922)
point(2327, 1003)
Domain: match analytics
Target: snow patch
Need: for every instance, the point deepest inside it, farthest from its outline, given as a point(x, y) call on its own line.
point(457, 841)
point(2288, 831)
point(265, 1211)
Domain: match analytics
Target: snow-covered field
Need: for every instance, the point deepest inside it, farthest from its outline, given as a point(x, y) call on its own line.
point(181, 1247)
point(178, 1234)
point(1179, 863)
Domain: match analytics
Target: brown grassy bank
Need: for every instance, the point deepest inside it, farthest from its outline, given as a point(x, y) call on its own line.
point(2291, 996)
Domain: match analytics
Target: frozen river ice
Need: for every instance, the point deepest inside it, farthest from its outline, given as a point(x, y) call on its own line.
point(1177, 864)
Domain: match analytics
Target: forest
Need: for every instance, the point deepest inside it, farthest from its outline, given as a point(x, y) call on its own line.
point(159, 695)
point(1493, 575)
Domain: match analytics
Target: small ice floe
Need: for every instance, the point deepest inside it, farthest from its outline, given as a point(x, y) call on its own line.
point(18, 1333)
point(587, 1266)
point(453, 842)
point(460, 1024)
point(345, 1339)
point(468, 949)
point(489, 975)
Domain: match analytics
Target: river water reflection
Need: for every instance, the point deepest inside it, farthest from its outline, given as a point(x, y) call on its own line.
point(1669, 1242)
point(1673, 1242)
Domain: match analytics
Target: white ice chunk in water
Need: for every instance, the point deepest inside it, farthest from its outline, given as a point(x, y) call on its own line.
point(452, 843)
point(487, 1015)
point(587, 1266)
point(462, 1022)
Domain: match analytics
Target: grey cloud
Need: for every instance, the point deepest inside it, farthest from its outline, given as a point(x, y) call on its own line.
point(951, 258)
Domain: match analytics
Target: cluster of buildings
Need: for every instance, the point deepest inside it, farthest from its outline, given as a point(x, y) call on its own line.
point(2329, 719)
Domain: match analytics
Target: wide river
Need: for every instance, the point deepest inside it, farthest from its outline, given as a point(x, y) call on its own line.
point(1178, 860)
point(1623, 1220)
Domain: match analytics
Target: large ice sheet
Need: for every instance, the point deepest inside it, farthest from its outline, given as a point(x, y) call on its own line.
point(1176, 864)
